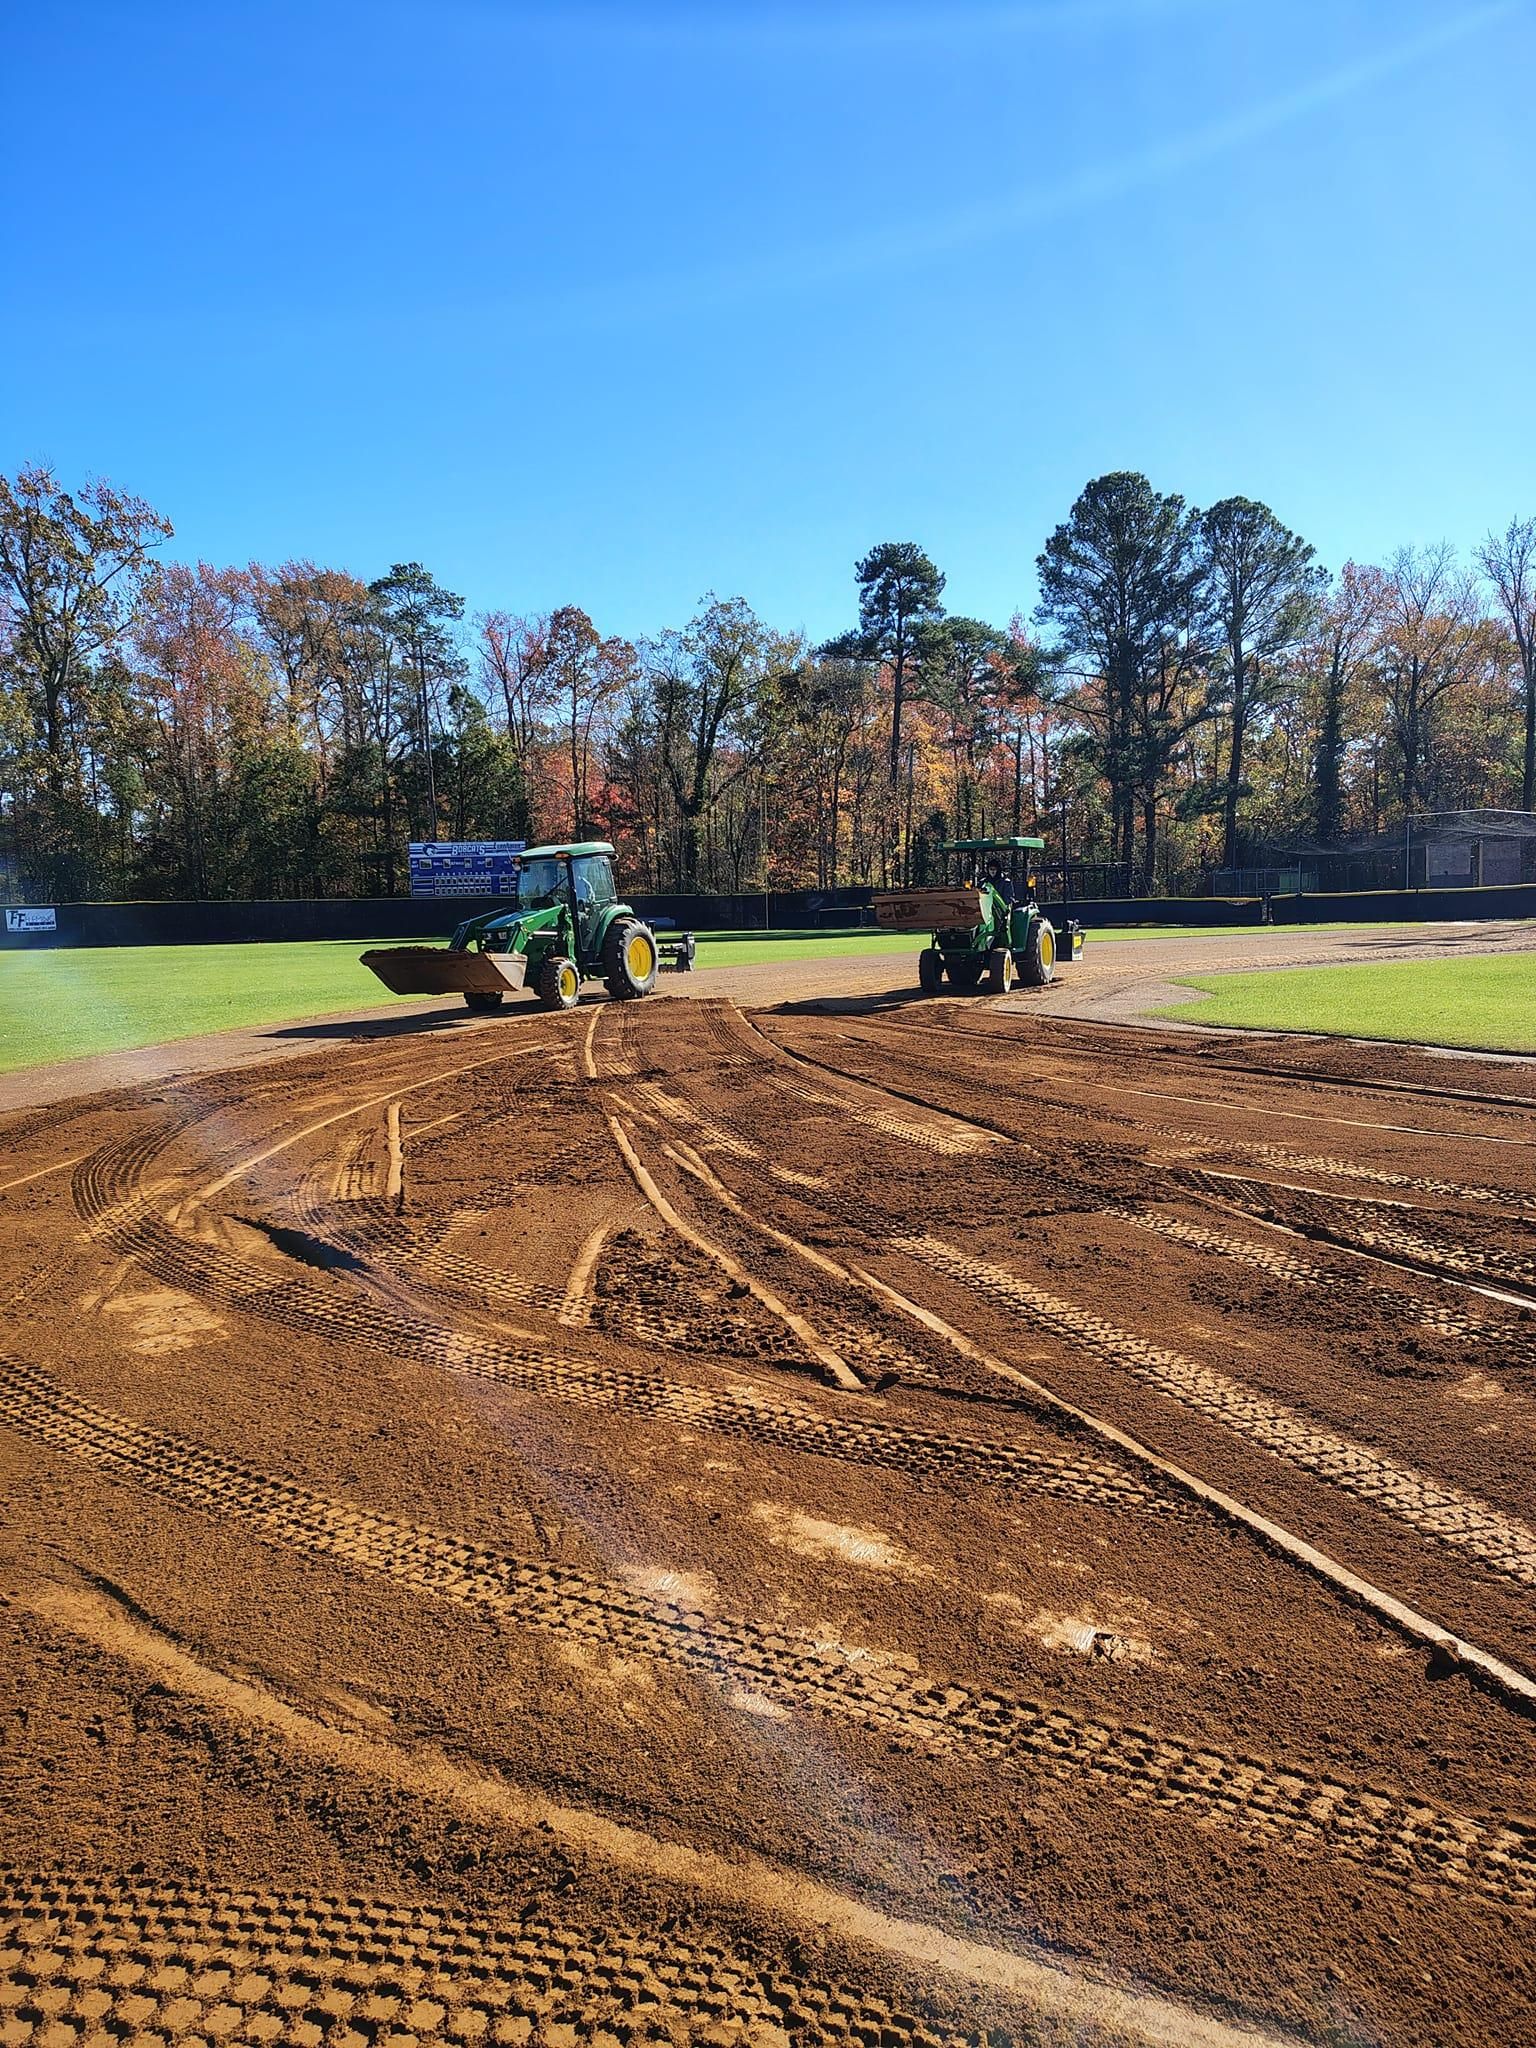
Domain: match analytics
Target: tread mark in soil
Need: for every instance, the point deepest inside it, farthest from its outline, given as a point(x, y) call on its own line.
point(923, 1455)
point(1432, 1506)
point(1389, 1834)
point(147, 1958)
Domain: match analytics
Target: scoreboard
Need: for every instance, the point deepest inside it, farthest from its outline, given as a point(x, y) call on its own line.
point(465, 867)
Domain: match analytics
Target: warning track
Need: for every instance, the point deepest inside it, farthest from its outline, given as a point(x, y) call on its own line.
point(794, 1444)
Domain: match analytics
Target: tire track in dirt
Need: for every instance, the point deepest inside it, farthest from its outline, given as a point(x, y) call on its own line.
point(712, 1325)
point(126, 1221)
point(1432, 1507)
point(928, 1127)
point(1516, 1341)
point(147, 1959)
point(1391, 1835)
point(1280, 1157)
point(1309, 1213)
point(1135, 1043)
point(1366, 1226)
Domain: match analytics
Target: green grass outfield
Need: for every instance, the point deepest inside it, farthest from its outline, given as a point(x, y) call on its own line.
point(1486, 1002)
point(64, 1004)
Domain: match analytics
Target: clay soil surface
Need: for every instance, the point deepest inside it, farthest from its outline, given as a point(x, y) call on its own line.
point(656, 1525)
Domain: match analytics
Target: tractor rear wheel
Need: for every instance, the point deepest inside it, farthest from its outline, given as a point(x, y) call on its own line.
point(630, 958)
point(930, 970)
point(1040, 953)
point(482, 999)
point(559, 983)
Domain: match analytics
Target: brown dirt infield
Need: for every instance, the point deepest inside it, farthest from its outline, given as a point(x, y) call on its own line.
point(655, 1525)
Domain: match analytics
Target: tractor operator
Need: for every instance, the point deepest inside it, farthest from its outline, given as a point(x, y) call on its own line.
point(997, 880)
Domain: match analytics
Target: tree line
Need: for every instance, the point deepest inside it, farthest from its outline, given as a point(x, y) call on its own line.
point(1192, 691)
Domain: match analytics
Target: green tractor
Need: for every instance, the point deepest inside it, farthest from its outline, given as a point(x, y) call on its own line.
point(988, 930)
point(568, 927)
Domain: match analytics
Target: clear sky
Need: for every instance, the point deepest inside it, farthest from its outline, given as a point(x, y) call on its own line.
point(614, 304)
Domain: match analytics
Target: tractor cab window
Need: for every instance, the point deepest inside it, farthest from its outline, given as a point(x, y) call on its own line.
point(594, 879)
point(539, 883)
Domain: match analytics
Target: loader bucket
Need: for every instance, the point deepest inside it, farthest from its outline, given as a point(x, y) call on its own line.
point(926, 910)
point(439, 971)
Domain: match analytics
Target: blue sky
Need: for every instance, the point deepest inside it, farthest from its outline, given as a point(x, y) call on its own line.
point(616, 304)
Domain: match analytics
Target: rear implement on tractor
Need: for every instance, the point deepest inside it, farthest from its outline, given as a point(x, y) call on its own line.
point(988, 930)
point(568, 927)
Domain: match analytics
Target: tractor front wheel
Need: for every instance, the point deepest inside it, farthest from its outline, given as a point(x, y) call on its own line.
point(1001, 972)
point(630, 959)
point(1040, 953)
point(930, 970)
point(559, 983)
point(482, 999)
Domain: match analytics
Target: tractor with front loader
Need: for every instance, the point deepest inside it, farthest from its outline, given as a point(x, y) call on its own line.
point(568, 926)
point(988, 930)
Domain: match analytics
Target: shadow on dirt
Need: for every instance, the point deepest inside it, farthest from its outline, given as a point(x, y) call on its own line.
point(845, 1006)
point(308, 1250)
point(388, 1027)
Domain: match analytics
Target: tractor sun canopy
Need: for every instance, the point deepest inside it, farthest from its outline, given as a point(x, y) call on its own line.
point(1015, 845)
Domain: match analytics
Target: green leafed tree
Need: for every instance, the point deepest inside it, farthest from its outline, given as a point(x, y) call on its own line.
point(1263, 588)
point(961, 674)
point(1508, 560)
point(713, 691)
point(421, 617)
point(1120, 584)
point(71, 568)
point(900, 589)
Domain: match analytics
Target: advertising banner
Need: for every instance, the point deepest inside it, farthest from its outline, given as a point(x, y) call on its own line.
point(31, 920)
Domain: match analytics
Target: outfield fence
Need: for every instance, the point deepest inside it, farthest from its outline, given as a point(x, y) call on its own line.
point(810, 910)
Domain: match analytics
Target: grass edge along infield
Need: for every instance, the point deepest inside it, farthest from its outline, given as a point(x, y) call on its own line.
point(1483, 1002)
point(64, 1003)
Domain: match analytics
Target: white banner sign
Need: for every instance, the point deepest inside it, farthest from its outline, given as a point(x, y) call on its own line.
point(31, 920)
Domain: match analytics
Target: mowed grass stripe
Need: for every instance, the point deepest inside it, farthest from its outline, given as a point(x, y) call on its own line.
point(72, 1002)
point(1486, 1002)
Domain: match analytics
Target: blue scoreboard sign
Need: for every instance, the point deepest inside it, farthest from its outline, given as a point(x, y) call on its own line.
point(465, 867)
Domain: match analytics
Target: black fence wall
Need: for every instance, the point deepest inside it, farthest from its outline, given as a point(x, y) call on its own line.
point(1406, 906)
point(1108, 913)
point(403, 917)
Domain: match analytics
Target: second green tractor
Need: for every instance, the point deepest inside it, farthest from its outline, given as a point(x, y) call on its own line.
point(988, 930)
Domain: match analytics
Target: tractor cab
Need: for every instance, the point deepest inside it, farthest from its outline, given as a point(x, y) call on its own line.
point(550, 875)
point(592, 891)
point(987, 925)
point(567, 891)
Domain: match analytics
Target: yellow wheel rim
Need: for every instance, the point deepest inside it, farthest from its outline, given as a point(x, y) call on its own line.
point(1047, 949)
point(639, 956)
point(568, 982)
